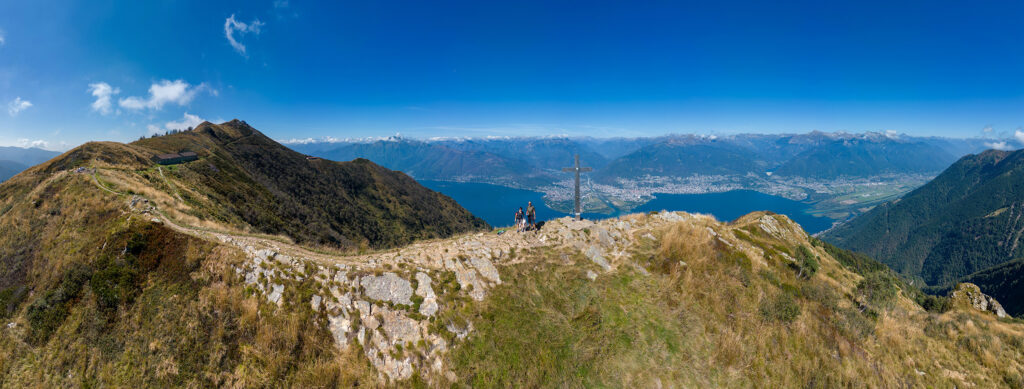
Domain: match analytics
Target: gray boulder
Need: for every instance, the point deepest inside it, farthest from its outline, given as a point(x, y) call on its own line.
point(388, 287)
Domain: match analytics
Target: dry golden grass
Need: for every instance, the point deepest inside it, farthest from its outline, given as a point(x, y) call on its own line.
point(703, 324)
point(703, 317)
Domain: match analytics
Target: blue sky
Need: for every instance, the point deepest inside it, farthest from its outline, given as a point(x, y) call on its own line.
point(115, 70)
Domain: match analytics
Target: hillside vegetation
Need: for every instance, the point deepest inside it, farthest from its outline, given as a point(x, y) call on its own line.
point(966, 220)
point(1005, 281)
point(246, 181)
point(107, 278)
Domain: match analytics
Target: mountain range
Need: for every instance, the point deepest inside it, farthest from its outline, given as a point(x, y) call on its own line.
point(249, 264)
point(533, 162)
point(14, 160)
point(965, 224)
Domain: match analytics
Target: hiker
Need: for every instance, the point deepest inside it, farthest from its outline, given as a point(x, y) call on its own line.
point(519, 220)
point(531, 215)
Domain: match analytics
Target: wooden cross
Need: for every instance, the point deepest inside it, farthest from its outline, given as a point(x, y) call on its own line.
point(577, 169)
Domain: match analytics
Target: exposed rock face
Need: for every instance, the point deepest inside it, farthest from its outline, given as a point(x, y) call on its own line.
point(595, 255)
point(971, 295)
point(486, 269)
point(429, 305)
point(378, 311)
point(671, 217)
point(388, 287)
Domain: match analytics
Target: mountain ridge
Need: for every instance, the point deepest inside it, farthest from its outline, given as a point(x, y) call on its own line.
point(963, 221)
point(115, 271)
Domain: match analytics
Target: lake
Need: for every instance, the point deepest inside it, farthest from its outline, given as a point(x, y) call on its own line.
point(497, 204)
point(728, 206)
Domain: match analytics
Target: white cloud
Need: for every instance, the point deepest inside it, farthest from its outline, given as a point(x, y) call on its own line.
point(280, 3)
point(187, 121)
point(231, 26)
point(17, 105)
point(1002, 145)
point(987, 129)
point(3, 39)
point(1019, 135)
point(102, 91)
point(178, 92)
point(39, 143)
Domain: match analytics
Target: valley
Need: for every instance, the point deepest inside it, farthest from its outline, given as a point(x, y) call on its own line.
point(838, 175)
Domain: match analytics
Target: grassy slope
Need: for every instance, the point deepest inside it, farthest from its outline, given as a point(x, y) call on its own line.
point(722, 321)
point(103, 297)
point(244, 178)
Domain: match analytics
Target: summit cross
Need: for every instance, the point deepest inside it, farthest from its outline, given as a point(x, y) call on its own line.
point(577, 169)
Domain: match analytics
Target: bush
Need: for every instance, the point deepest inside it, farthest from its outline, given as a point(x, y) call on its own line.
point(822, 293)
point(48, 312)
point(114, 284)
point(877, 289)
point(783, 309)
point(936, 304)
point(853, 324)
point(806, 262)
point(10, 298)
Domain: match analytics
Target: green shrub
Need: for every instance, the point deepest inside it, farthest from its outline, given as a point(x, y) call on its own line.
point(878, 290)
point(820, 292)
point(806, 262)
point(770, 277)
point(783, 308)
point(113, 286)
point(936, 304)
point(852, 324)
point(10, 298)
point(48, 312)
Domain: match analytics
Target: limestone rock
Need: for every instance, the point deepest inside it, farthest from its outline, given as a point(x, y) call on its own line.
point(671, 217)
point(971, 295)
point(388, 287)
point(371, 322)
point(603, 237)
point(276, 290)
point(429, 305)
point(398, 328)
point(339, 327)
point(469, 281)
point(596, 255)
point(486, 269)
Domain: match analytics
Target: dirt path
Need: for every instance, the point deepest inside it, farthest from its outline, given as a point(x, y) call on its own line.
point(166, 181)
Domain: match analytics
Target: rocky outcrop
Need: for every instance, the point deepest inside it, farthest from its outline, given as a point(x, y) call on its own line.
point(429, 305)
point(388, 287)
point(389, 302)
point(970, 295)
